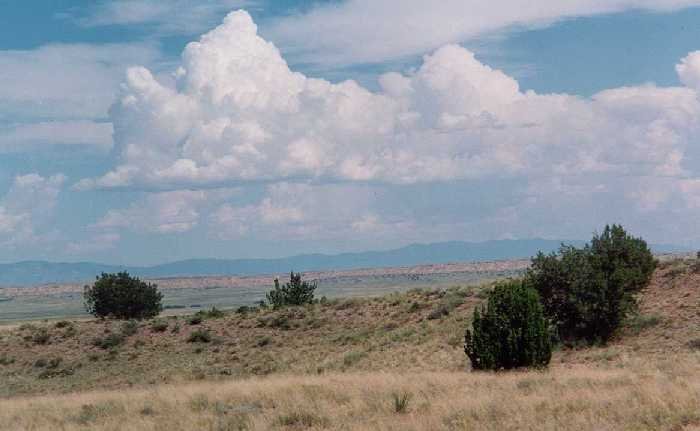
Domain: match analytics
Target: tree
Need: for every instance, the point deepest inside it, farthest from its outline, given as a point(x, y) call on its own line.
point(510, 331)
point(623, 258)
point(587, 292)
point(122, 297)
point(294, 292)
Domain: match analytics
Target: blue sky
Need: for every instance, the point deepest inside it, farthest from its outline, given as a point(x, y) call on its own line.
point(470, 120)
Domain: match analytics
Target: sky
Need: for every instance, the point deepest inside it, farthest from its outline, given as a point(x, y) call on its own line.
point(144, 131)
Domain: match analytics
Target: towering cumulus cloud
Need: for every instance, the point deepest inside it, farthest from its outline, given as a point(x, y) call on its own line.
point(237, 114)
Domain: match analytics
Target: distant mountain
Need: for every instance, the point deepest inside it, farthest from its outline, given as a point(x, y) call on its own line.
point(34, 273)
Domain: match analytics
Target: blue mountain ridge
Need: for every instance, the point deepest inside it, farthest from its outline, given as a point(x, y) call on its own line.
point(29, 273)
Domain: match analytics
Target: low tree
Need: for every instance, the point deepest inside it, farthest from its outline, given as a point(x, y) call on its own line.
point(587, 292)
point(121, 296)
point(294, 292)
point(510, 331)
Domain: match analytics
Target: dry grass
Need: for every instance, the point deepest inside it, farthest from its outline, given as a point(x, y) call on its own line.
point(635, 397)
point(390, 363)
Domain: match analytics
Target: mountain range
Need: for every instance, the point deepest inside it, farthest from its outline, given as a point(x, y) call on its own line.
point(30, 273)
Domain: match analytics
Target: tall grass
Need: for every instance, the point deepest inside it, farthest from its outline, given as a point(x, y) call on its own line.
point(580, 397)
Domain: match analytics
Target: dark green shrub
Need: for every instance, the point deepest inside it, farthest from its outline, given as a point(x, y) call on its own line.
point(122, 297)
point(199, 336)
point(63, 324)
point(510, 331)
point(588, 292)
point(294, 292)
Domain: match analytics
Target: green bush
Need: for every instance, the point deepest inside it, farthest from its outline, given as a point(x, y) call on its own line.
point(200, 336)
point(294, 292)
point(195, 319)
point(510, 331)
point(588, 292)
point(159, 326)
point(122, 297)
point(129, 328)
point(109, 342)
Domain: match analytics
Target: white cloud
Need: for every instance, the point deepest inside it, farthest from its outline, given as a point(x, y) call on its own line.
point(374, 31)
point(169, 16)
point(61, 93)
point(163, 213)
point(27, 209)
point(308, 212)
point(238, 114)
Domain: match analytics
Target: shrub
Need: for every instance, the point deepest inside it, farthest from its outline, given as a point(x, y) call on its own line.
point(122, 297)
point(401, 402)
point(510, 331)
point(63, 324)
point(195, 319)
point(41, 336)
point(294, 292)
point(588, 292)
point(109, 342)
point(159, 326)
point(199, 336)
point(129, 328)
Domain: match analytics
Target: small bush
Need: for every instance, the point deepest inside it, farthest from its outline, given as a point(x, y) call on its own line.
point(439, 312)
point(6, 360)
point(41, 336)
point(294, 292)
point(123, 297)
point(108, 342)
point(63, 324)
point(244, 309)
point(400, 402)
point(510, 331)
point(195, 319)
point(159, 326)
point(129, 328)
point(638, 322)
point(302, 420)
point(213, 313)
point(200, 336)
point(692, 344)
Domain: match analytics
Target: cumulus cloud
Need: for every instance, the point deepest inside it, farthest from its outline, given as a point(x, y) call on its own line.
point(340, 161)
point(237, 114)
point(27, 209)
point(374, 31)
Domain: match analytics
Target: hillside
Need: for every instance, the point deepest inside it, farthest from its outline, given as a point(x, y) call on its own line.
point(343, 365)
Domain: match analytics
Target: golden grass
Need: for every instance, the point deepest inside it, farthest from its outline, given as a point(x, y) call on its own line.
point(636, 397)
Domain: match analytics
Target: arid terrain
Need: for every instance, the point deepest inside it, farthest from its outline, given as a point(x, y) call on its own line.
point(193, 293)
point(393, 362)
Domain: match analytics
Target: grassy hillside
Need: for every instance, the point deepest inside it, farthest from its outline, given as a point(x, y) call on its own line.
point(347, 364)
